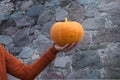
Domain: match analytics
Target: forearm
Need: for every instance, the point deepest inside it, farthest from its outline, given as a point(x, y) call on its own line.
point(24, 72)
point(39, 65)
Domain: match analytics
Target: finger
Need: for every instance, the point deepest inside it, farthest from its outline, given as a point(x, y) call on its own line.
point(61, 48)
point(70, 47)
point(67, 45)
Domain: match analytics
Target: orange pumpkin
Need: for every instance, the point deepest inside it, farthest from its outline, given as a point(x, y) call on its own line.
point(66, 32)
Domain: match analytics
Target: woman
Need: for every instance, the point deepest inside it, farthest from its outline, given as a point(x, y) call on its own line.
point(10, 64)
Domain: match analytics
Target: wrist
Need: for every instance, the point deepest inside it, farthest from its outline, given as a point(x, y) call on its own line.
point(56, 50)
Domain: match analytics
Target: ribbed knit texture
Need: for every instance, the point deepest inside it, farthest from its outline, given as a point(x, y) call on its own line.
point(10, 64)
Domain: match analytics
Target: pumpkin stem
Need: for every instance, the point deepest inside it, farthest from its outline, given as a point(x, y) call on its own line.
point(66, 20)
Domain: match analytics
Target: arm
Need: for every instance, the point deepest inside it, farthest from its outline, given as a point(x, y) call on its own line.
point(18, 69)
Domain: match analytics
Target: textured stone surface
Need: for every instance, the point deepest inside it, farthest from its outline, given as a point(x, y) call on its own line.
point(51, 74)
point(90, 11)
point(44, 17)
point(21, 37)
point(85, 59)
point(84, 74)
point(115, 19)
point(110, 55)
point(64, 3)
point(27, 52)
point(76, 12)
point(10, 31)
point(109, 8)
point(6, 8)
point(24, 21)
point(62, 61)
point(25, 33)
point(15, 51)
point(47, 26)
point(93, 23)
point(17, 15)
point(61, 14)
point(40, 47)
point(53, 4)
point(112, 73)
point(41, 39)
point(26, 5)
point(6, 24)
point(4, 16)
point(11, 77)
point(4, 1)
point(34, 11)
point(108, 35)
point(85, 43)
point(5, 39)
point(86, 2)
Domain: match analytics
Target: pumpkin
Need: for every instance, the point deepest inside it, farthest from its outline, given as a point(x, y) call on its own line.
point(66, 32)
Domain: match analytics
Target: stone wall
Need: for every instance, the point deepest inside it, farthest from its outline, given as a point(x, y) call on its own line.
point(26, 30)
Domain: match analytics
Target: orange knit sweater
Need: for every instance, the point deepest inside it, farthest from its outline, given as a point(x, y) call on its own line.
point(10, 64)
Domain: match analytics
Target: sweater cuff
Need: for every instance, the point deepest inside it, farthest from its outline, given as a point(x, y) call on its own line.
point(52, 52)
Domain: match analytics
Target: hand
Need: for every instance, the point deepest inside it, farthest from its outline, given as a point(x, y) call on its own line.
point(65, 48)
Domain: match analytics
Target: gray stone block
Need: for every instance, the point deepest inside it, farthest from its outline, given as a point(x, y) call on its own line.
point(96, 23)
point(85, 59)
point(61, 14)
point(85, 42)
point(84, 74)
point(108, 35)
point(5, 39)
point(112, 73)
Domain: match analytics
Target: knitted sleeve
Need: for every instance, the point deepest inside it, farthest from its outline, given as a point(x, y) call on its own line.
point(28, 72)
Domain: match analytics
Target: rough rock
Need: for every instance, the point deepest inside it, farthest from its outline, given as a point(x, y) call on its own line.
point(15, 51)
point(62, 61)
point(34, 11)
point(10, 31)
point(110, 7)
point(84, 74)
point(115, 19)
point(108, 35)
point(24, 21)
point(112, 73)
point(4, 16)
point(21, 37)
point(26, 5)
point(90, 11)
point(17, 15)
point(61, 14)
point(64, 3)
point(27, 52)
point(93, 23)
point(85, 59)
point(76, 12)
point(41, 39)
point(85, 42)
point(5, 39)
point(87, 2)
point(6, 8)
point(44, 17)
point(4, 1)
point(47, 26)
point(52, 5)
point(40, 47)
point(50, 73)
point(110, 55)
point(10, 77)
